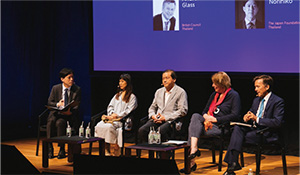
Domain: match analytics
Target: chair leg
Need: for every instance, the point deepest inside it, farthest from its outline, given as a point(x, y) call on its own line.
point(38, 143)
point(258, 159)
point(242, 158)
point(213, 154)
point(90, 148)
point(220, 156)
point(283, 161)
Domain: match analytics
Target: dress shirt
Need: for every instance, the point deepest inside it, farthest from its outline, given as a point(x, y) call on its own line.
point(248, 23)
point(167, 95)
point(265, 104)
point(164, 20)
point(63, 94)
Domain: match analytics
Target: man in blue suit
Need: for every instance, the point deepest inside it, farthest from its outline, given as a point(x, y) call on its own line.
point(267, 111)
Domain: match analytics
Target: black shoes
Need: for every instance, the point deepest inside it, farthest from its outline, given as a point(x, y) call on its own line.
point(193, 168)
point(197, 153)
point(231, 168)
point(62, 153)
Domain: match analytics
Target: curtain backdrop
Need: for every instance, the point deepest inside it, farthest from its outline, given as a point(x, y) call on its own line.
point(39, 39)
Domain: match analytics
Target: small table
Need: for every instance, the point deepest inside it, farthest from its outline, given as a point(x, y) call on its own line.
point(164, 151)
point(74, 146)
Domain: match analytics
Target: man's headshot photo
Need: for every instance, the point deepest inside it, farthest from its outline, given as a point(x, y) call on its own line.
point(249, 14)
point(165, 14)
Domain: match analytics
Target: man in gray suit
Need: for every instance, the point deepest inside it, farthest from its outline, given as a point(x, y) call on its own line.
point(169, 103)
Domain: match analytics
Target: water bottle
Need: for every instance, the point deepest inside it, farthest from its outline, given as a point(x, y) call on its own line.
point(158, 136)
point(81, 130)
point(250, 172)
point(88, 131)
point(69, 130)
point(150, 136)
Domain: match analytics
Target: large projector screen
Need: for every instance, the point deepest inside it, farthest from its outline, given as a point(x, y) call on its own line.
point(206, 36)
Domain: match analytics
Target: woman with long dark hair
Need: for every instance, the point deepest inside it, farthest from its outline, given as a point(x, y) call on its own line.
point(110, 128)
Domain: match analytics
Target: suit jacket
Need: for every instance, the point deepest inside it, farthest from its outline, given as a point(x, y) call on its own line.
point(273, 115)
point(230, 108)
point(158, 23)
point(56, 96)
point(176, 106)
point(242, 25)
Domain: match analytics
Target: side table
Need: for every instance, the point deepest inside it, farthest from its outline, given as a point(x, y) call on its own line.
point(74, 146)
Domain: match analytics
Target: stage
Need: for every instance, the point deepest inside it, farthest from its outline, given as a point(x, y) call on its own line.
point(270, 164)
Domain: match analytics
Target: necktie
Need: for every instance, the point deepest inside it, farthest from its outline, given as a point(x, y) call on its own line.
point(66, 97)
point(261, 108)
point(166, 26)
point(251, 25)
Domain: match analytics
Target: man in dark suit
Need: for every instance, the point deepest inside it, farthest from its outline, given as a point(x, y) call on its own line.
point(250, 21)
point(165, 21)
point(267, 111)
point(60, 96)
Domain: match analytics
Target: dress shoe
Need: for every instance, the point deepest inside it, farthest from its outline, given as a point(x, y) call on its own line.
point(231, 168)
point(61, 154)
point(197, 153)
point(229, 173)
point(193, 168)
point(50, 153)
point(234, 167)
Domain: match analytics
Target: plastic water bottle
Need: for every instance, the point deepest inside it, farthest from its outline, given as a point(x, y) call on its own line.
point(69, 130)
point(81, 130)
point(158, 140)
point(250, 172)
point(150, 136)
point(88, 131)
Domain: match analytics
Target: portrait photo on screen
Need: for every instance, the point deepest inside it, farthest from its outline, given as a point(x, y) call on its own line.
point(249, 14)
point(165, 15)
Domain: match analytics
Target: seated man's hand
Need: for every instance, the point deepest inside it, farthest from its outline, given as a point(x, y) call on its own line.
point(158, 118)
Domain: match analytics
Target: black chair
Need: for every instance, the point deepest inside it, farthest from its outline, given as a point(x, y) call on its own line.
point(220, 139)
point(97, 118)
point(41, 128)
point(278, 145)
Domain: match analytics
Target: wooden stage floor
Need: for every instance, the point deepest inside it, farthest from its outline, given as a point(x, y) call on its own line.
point(270, 165)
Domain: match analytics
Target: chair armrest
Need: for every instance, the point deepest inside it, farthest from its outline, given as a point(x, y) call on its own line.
point(43, 113)
point(262, 131)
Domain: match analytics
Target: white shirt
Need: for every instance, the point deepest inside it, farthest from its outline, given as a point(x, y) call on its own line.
point(265, 104)
point(248, 23)
point(63, 94)
point(164, 20)
point(167, 95)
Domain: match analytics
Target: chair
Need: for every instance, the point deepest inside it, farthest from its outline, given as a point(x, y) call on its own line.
point(97, 118)
point(41, 128)
point(279, 145)
point(219, 139)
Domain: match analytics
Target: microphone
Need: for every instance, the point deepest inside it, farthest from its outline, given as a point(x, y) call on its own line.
point(162, 84)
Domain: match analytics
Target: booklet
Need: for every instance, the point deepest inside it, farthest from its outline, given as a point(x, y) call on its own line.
point(174, 142)
point(241, 124)
point(71, 104)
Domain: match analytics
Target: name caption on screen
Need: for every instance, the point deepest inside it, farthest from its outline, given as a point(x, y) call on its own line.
point(279, 24)
point(190, 26)
point(280, 2)
point(188, 3)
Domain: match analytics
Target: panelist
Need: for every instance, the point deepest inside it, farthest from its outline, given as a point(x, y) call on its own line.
point(165, 21)
point(122, 103)
point(169, 103)
point(223, 106)
point(62, 94)
point(267, 110)
point(250, 8)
